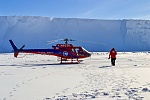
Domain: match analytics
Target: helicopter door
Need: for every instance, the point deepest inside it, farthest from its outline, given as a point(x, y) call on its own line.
point(79, 51)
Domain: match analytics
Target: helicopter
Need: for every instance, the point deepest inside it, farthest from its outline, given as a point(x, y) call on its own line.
point(68, 53)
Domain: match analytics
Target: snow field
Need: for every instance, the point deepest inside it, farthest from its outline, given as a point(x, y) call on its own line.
point(41, 77)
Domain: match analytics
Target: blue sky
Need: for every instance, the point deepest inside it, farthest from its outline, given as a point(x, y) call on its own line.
point(93, 9)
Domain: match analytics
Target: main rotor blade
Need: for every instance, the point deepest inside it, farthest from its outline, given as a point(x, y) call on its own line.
point(93, 42)
point(53, 41)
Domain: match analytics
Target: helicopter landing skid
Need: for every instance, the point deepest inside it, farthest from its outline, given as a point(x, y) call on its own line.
point(72, 61)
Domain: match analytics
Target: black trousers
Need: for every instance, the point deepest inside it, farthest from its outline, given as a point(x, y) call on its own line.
point(113, 61)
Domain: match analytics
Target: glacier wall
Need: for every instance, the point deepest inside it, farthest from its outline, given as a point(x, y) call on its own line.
point(92, 34)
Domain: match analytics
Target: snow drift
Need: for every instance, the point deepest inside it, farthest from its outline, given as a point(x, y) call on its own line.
point(34, 31)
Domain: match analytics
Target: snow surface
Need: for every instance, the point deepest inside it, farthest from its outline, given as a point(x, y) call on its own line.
point(34, 31)
point(40, 77)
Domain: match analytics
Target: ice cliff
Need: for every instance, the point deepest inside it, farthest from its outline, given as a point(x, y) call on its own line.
point(34, 31)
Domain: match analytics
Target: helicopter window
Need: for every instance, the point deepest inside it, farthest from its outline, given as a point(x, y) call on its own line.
point(80, 52)
point(85, 50)
point(77, 49)
point(73, 50)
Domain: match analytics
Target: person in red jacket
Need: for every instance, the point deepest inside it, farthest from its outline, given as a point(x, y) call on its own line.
point(112, 55)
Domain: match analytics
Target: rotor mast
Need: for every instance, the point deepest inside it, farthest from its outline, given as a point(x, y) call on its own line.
point(66, 41)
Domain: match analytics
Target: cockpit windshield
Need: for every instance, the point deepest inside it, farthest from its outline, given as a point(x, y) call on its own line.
point(85, 50)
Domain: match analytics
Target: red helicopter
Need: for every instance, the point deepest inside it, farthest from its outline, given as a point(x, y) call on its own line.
point(67, 52)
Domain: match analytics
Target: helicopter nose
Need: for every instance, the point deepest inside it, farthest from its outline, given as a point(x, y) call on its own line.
point(88, 55)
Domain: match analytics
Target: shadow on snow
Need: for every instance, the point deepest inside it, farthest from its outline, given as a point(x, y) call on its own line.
point(104, 66)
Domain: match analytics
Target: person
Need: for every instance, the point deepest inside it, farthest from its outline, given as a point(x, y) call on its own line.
point(112, 55)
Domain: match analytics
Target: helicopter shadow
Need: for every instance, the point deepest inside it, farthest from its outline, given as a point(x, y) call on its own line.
point(30, 65)
point(37, 65)
point(34, 65)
